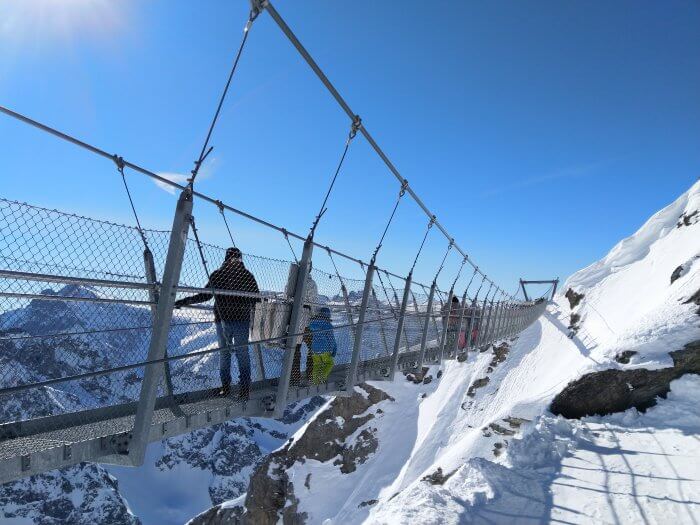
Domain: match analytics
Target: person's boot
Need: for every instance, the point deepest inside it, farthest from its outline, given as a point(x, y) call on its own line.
point(225, 391)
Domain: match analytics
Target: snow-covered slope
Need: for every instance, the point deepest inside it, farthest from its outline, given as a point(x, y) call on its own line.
point(476, 443)
point(469, 442)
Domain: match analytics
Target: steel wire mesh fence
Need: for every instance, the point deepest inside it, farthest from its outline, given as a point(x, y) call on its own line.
point(76, 315)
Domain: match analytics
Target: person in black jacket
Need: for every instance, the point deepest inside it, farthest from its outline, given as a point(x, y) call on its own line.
point(232, 314)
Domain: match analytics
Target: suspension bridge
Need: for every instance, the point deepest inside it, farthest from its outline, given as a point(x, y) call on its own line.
point(102, 352)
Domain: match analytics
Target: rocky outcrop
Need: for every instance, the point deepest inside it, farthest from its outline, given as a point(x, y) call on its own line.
point(271, 494)
point(573, 297)
point(610, 391)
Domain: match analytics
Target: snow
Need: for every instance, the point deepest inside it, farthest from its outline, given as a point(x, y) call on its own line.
point(504, 456)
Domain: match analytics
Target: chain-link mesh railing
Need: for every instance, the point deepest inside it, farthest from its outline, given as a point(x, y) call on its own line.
point(77, 306)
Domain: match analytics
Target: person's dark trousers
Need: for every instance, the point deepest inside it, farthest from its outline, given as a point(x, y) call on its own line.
point(234, 333)
point(296, 365)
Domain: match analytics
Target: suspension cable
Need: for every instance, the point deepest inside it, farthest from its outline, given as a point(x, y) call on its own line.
point(202, 155)
point(402, 192)
point(286, 238)
point(470, 281)
point(201, 254)
point(119, 161)
point(223, 215)
point(476, 296)
point(386, 294)
point(356, 124)
point(459, 272)
point(396, 295)
point(335, 267)
point(444, 258)
point(140, 169)
point(427, 231)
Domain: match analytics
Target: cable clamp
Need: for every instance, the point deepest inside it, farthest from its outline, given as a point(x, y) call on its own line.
point(404, 186)
point(355, 127)
point(256, 7)
point(432, 221)
point(119, 161)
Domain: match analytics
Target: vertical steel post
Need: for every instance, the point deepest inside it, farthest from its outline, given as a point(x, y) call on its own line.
point(399, 327)
point(382, 329)
point(346, 299)
point(153, 294)
point(359, 327)
point(509, 319)
point(398, 334)
point(435, 323)
point(426, 323)
point(446, 325)
point(470, 325)
point(455, 346)
point(482, 321)
point(259, 360)
point(294, 329)
point(161, 328)
point(554, 290)
point(501, 314)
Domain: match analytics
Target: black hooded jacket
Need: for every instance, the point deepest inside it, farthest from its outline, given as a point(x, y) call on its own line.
point(231, 276)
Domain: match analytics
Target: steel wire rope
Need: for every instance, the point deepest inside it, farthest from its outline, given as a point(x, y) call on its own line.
point(223, 216)
point(119, 161)
point(356, 124)
point(203, 154)
point(267, 5)
point(166, 359)
point(143, 171)
point(420, 249)
point(402, 192)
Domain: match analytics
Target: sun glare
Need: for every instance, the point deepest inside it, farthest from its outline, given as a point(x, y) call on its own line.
point(38, 22)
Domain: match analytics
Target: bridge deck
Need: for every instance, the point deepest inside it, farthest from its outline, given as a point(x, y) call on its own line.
point(36, 445)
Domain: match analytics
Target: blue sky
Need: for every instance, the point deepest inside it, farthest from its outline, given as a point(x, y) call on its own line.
point(540, 133)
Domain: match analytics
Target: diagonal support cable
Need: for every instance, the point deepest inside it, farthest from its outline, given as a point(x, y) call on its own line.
point(203, 154)
point(356, 124)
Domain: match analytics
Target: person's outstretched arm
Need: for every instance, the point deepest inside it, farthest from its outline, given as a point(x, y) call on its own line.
point(202, 297)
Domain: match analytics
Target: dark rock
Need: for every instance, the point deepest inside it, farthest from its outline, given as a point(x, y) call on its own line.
point(610, 391)
point(367, 503)
point(687, 219)
point(417, 377)
point(498, 429)
point(439, 374)
point(499, 355)
point(479, 383)
point(695, 298)
point(573, 321)
point(624, 357)
point(462, 357)
point(437, 477)
point(219, 516)
point(573, 297)
point(270, 497)
point(515, 422)
point(676, 273)
point(498, 448)
point(365, 445)
point(427, 380)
